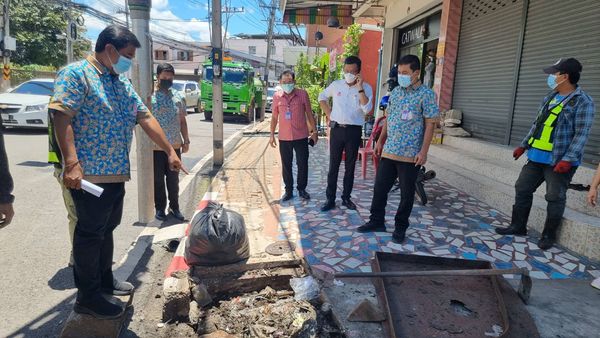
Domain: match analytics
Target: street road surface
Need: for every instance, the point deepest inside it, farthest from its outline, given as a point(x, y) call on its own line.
point(36, 284)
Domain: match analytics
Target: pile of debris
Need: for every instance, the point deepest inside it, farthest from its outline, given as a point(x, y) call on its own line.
point(452, 120)
point(267, 313)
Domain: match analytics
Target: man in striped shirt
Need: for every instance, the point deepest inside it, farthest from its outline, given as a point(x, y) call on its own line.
point(292, 111)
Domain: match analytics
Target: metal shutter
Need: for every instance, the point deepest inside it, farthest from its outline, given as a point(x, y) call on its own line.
point(558, 29)
point(487, 51)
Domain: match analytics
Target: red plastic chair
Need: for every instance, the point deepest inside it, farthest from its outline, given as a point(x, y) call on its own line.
point(368, 151)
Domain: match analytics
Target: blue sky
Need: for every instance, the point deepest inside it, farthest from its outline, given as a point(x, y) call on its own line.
point(167, 16)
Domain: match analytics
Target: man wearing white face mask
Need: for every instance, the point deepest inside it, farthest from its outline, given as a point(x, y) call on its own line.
point(94, 110)
point(554, 148)
point(403, 145)
point(352, 99)
point(293, 112)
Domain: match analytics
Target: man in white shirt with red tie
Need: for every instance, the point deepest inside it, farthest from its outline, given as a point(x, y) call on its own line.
point(352, 100)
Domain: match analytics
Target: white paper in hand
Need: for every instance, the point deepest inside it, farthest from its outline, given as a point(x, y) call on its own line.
point(91, 188)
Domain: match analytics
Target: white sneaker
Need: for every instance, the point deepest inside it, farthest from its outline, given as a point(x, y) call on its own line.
point(596, 283)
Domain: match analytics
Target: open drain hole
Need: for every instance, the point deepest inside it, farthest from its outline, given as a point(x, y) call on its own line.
point(461, 309)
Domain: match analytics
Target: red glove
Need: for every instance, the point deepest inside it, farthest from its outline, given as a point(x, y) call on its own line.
point(518, 152)
point(563, 167)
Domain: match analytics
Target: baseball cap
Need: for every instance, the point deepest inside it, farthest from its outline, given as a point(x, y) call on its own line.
point(570, 65)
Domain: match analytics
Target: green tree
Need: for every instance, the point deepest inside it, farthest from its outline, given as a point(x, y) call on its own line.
point(36, 24)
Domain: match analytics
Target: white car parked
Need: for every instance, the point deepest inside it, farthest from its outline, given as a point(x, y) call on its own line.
point(26, 106)
point(191, 91)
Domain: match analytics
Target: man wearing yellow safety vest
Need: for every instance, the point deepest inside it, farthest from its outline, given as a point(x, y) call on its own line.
point(554, 148)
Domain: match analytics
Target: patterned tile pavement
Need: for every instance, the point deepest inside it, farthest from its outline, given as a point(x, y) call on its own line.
point(453, 225)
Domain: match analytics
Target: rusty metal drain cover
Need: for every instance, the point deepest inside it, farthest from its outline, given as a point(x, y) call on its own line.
point(279, 248)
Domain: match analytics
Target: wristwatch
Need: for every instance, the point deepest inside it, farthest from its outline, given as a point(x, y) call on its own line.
point(361, 91)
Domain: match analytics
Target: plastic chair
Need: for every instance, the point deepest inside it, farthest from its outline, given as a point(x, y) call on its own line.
point(365, 153)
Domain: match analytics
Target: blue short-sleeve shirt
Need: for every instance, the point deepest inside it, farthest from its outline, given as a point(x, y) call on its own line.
point(409, 109)
point(104, 108)
point(167, 108)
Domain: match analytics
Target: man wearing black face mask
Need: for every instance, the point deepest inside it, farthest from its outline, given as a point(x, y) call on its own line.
point(169, 109)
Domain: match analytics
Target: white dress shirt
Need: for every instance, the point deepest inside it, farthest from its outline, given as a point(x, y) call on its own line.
point(346, 107)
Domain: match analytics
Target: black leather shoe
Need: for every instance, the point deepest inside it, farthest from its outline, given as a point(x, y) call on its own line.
point(99, 308)
point(328, 206)
point(370, 226)
point(512, 230)
point(303, 194)
point(177, 214)
point(160, 215)
point(287, 196)
point(398, 236)
point(119, 288)
point(349, 204)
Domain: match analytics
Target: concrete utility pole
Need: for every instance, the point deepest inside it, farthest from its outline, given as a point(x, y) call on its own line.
point(8, 44)
point(142, 81)
point(69, 39)
point(217, 55)
point(269, 49)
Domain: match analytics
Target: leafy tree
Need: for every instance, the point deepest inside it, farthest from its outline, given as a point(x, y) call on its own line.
point(36, 24)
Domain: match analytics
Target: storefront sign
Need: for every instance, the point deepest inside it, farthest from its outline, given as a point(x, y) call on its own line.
point(412, 35)
point(420, 32)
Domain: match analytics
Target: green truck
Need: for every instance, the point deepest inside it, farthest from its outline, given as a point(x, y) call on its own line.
point(242, 91)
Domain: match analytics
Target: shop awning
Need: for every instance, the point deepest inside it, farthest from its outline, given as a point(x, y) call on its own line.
point(319, 11)
point(318, 15)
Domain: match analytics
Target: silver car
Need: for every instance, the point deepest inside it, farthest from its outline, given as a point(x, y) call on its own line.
point(191, 91)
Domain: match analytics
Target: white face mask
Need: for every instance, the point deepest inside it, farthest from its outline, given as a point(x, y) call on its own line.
point(349, 77)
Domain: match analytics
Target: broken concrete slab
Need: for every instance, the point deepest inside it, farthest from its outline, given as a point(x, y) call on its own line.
point(253, 280)
point(343, 299)
point(366, 311)
point(176, 293)
point(176, 231)
point(201, 295)
point(86, 326)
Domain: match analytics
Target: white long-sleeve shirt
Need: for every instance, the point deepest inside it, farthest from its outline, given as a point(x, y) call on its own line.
point(346, 107)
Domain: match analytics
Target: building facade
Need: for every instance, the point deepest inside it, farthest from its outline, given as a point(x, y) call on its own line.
point(490, 55)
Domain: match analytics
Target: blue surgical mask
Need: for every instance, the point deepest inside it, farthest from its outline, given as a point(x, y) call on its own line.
point(123, 64)
point(404, 81)
point(288, 87)
point(552, 81)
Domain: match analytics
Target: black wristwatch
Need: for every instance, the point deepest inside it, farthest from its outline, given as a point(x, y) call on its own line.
point(361, 91)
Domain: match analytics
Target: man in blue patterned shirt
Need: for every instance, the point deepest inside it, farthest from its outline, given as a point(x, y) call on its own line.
point(94, 109)
point(403, 146)
point(554, 148)
point(168, 106)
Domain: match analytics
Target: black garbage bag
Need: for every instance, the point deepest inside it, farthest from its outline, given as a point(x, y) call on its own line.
point(217, 237)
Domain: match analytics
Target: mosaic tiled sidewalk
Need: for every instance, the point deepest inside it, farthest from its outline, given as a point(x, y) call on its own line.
point(453, 224)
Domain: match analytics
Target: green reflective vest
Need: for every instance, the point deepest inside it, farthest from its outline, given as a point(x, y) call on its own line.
point(543, 140)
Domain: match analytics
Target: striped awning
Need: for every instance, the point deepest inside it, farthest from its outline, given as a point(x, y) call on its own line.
point(319, 15)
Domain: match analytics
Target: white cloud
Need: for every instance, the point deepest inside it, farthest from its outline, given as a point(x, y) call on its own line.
point(160, 4)
point(192, 30)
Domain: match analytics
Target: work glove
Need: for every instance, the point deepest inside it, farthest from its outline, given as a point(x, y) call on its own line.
point(562, 167)
point(518, 152)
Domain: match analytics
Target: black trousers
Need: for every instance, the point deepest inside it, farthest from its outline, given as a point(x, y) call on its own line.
point(162, 171)
point(532, 176)
point(97, 217)
point(286, 150)
point(387, 173)
point(348, 139)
